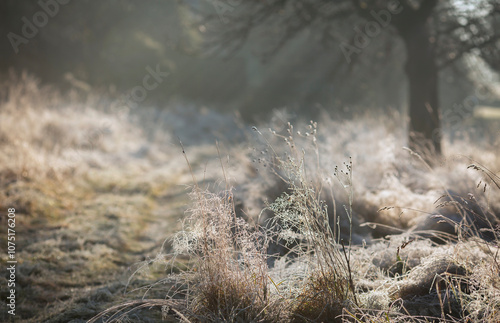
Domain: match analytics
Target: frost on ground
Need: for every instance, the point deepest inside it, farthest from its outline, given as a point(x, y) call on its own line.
point(318, 221)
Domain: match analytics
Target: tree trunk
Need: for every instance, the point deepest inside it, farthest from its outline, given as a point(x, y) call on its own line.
point(424, 128)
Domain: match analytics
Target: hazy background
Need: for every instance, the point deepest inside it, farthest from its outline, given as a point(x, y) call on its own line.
point(100, 183)
point(107, 45)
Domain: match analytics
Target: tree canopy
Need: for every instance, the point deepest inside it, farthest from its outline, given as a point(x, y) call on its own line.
point(435, 33)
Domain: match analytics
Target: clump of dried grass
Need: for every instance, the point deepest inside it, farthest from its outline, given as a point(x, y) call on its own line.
point(301, 216)
point(231, 278)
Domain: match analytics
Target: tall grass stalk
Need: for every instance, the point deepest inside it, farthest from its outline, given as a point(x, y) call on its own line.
point(301, 216)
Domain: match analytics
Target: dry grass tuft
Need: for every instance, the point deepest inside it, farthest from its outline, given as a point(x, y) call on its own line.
point(230, 281)
point(321, 300)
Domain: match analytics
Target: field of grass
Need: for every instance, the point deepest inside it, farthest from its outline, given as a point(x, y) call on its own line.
point(116, 220)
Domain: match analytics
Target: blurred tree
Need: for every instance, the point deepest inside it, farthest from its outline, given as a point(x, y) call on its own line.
point(435, 34)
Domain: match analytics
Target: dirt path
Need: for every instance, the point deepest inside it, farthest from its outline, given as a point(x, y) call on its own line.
point(77, 250)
